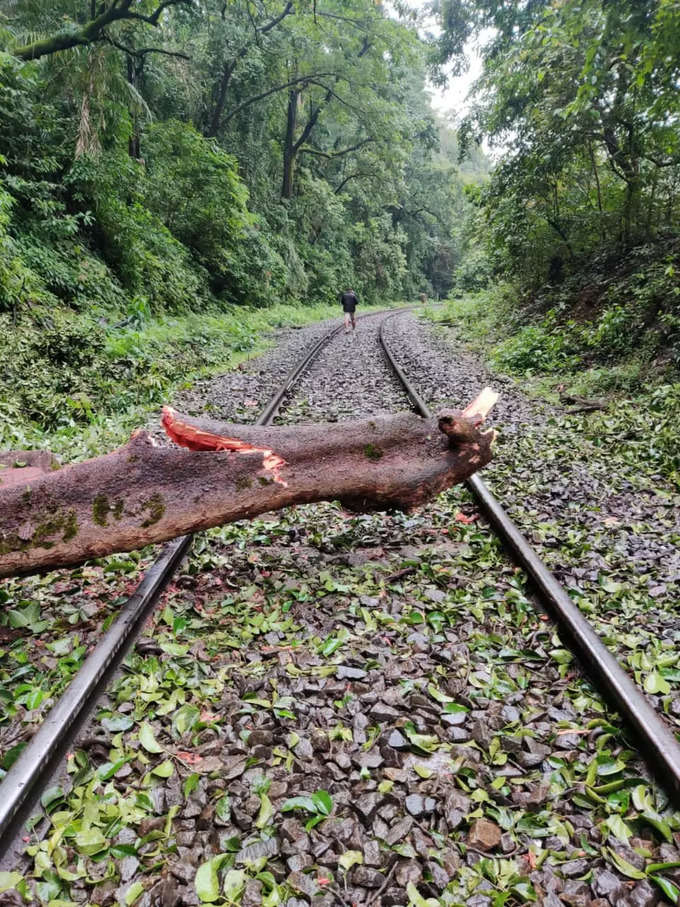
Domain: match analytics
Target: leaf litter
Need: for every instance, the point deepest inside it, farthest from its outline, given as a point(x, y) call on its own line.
point(386, 675)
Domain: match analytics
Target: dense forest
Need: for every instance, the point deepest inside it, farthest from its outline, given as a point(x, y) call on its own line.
point(580, 102)
point(182, 154)
point(197, 161)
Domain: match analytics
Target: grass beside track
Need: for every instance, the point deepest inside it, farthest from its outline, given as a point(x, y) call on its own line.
point(78, 385)
point(640, 394)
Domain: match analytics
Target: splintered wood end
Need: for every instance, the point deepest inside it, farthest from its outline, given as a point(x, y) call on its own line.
point(195, 438)
point(481, 406)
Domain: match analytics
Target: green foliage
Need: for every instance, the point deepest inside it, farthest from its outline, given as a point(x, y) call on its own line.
point(131, 174)
point(80, 385)
point(134, 241)
point(581, 98)
point(536, 348)
point(613, 352)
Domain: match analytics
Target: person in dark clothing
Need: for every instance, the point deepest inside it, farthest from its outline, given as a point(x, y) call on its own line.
point(349, 300)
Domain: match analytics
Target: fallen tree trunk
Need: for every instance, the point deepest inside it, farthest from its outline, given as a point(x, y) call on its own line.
point(143, 493)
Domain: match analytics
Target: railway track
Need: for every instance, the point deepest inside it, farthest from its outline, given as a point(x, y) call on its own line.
point(36, 768)
point(40, 760)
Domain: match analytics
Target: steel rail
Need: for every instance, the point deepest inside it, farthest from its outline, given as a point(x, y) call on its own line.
point(653, 736)
point(48, 746)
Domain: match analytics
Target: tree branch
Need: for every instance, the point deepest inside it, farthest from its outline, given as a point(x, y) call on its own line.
point(351, 176)
point(93, 30)
point(143, 493)
point(265, 94)
point(143, 51)
point(333, 154)
point(288, 9)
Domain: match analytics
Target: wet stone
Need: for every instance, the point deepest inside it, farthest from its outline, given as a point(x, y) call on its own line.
point(420, 806)
point(551, 900)
point(371, 759)
point(345, 672)
point(630, 856)
point(291, 830)
point(260, 737)
point(576, 894)
point(304, 750)
point(456, 807)
point(408, 871)
point(372, 853)
point(511, 714)
point(508, 843)
point(484, 835)
point(342, 760)
point(305, 884)
point(384, 713)
point(252, 895)
point(398, 832)
point(529, 760)
point(366, 806)
point(182, 871)
point(388, 812)
point(397, 741)
point(440, 877)
point(367, 877)
point(320, 742)
point(128, 867)
point(298, 861)
point(454, 719)
point(643, 895)
point(320, 848)
point(607, 885)
point(421, 842)
point(572, 869)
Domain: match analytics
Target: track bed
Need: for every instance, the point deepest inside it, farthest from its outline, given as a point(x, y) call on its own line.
point(333, 709)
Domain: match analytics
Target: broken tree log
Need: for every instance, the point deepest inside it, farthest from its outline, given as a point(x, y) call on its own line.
point(219, 473)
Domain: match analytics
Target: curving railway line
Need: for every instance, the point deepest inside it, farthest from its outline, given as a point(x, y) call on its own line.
point(401, 743)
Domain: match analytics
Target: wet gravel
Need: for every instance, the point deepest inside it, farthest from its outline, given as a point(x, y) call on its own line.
point(611, 535)
point(393, 662)
point(240, 395)
point(351, 379)
point(51, 644)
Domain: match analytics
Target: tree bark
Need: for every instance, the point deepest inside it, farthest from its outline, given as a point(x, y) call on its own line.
point(144, 493)
point(229, 67)
point(289, 150)
point(93, 30)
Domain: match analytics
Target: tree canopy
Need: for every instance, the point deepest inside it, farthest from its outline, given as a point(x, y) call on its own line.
point(233, 151)
point(581, 99)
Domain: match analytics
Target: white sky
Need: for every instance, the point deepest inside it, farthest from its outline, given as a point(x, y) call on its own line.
point(451, 100)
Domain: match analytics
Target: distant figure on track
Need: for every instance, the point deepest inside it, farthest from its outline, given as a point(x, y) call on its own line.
point(349, 300)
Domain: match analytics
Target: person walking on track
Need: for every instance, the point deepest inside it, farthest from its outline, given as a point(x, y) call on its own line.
point(349, 300)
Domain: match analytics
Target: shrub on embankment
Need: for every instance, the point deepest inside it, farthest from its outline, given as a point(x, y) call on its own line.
point(79, 384)
point(610, 332)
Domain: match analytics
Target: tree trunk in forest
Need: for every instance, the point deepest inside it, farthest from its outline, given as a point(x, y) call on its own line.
point(291, 146)
point(289, 150)
point(143, 493)
point(134, 73)
point(227, 73)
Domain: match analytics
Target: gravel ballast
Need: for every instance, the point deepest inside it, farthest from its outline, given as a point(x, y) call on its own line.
point(357, 710)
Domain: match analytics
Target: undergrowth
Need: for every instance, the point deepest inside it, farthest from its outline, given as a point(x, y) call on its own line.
point(79, 385)
point(616, 352)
